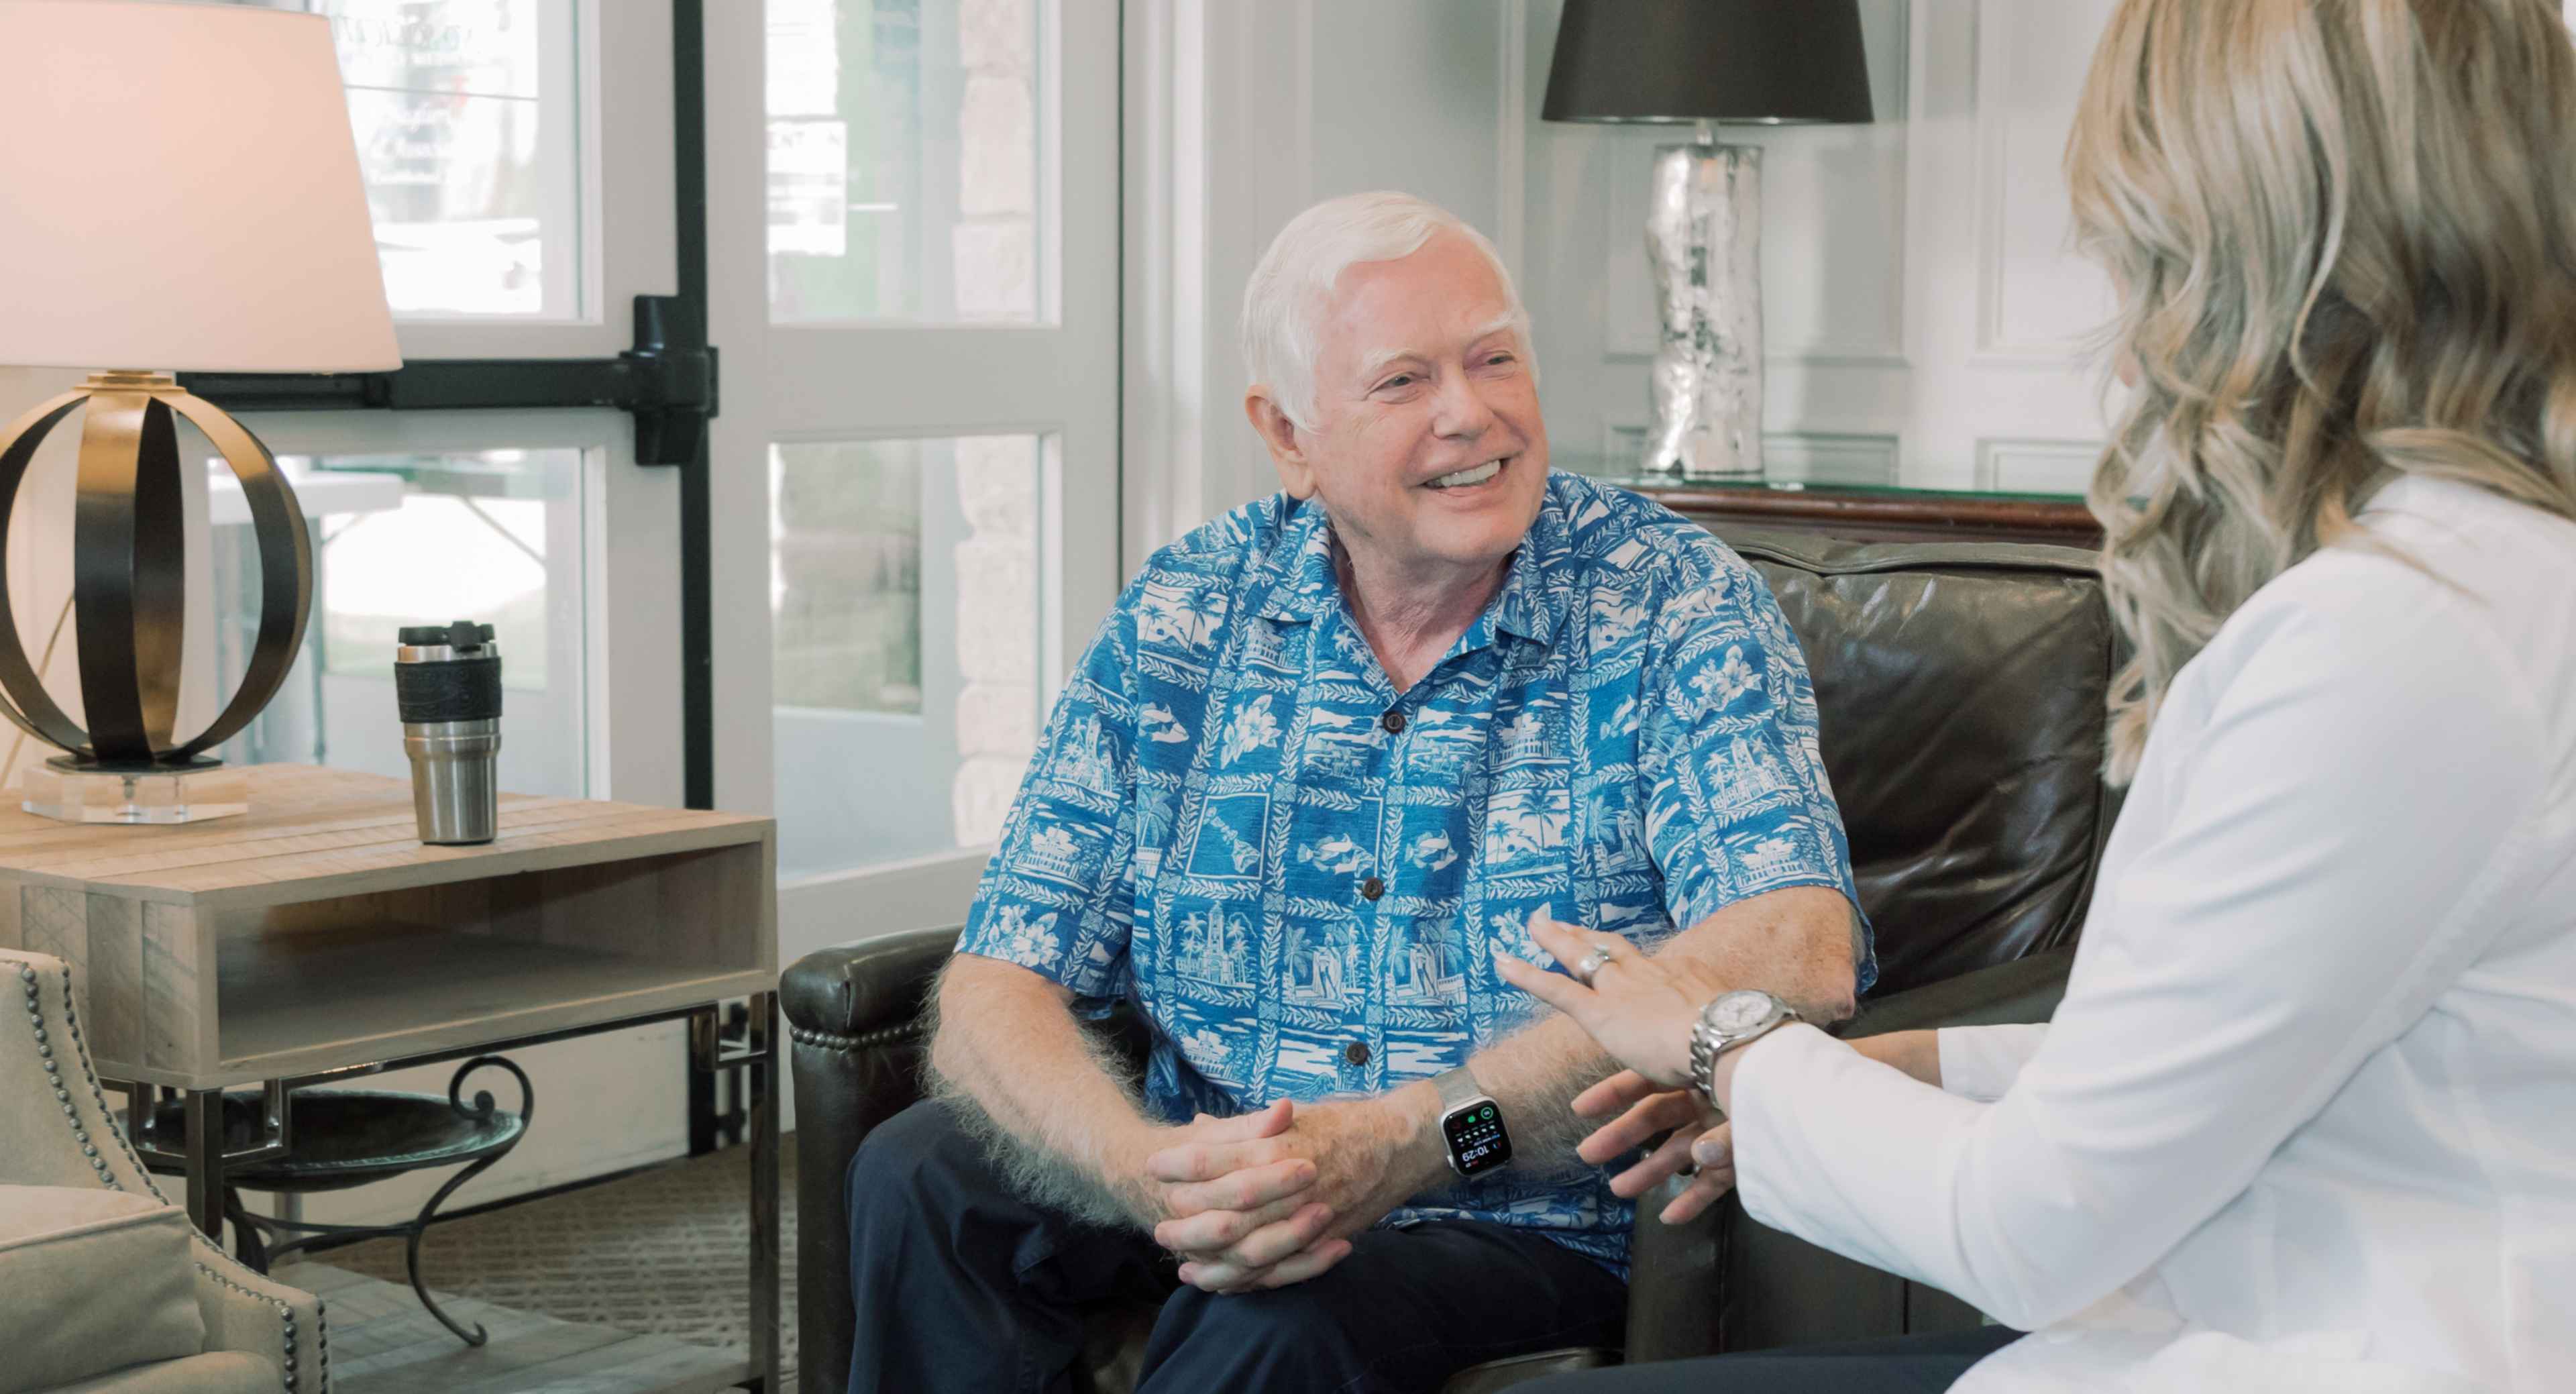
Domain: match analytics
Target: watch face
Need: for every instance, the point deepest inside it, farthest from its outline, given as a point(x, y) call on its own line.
point(1477, 1142)
point(1739, 1011)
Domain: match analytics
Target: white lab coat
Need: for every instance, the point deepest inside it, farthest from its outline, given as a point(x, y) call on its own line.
point(2306, 1119)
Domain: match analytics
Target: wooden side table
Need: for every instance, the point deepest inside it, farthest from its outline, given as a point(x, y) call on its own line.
point(316, 938)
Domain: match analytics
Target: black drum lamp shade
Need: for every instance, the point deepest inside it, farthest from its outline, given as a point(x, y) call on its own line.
point(1772, 61)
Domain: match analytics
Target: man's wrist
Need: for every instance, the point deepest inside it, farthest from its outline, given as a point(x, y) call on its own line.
point(1415, 1111)
point(1120, 1163)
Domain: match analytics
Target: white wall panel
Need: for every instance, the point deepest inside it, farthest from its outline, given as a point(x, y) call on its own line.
point(2034, 299)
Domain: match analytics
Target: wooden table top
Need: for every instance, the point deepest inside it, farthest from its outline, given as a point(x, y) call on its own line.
point(314, 832)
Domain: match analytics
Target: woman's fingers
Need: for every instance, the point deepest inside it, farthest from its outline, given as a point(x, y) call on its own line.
point(1613, 1094)
point(1662, 1162)
point(1567, 943)
point(1657, 1113)
point(1715, 1148)
point(1555, 989)
point(1703, 1192)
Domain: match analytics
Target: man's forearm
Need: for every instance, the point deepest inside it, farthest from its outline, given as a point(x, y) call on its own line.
point(1798, 944)
point(1534, 1074)
point(1042, 1091)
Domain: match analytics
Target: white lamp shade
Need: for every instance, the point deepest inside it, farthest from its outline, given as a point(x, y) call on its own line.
point(179, 191)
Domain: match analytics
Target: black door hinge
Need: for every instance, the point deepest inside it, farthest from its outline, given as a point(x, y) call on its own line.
point(667, 382)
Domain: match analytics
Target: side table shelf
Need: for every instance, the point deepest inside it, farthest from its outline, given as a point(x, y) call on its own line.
point(315, 938)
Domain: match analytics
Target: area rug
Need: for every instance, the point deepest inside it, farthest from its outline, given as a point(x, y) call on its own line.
point(663, 1252)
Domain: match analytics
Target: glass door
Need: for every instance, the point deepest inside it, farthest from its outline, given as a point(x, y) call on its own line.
point(526, 188)
point(519, 164)
point(913, 239)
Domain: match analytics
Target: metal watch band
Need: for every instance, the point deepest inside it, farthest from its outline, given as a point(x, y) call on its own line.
point(1457, 1087)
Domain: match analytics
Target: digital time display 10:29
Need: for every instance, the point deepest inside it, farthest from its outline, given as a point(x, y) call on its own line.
point(1476, 1139)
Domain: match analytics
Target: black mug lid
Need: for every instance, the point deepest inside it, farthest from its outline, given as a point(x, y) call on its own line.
point(461, 636)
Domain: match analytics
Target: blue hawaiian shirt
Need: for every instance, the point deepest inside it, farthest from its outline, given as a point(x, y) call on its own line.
point(1296, 873)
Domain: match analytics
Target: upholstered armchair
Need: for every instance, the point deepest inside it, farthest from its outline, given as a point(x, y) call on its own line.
point(105, 1288)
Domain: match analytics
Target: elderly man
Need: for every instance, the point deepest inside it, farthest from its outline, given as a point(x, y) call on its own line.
point(1330, 752)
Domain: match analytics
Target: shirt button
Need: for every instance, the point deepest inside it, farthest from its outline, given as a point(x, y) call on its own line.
point(1372, 888)
point(1356, 1052)
point(1393, 722)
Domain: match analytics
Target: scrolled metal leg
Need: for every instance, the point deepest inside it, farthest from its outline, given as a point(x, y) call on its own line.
point(418, 1229)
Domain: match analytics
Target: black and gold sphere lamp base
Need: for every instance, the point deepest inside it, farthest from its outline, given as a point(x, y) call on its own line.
point(129, 583)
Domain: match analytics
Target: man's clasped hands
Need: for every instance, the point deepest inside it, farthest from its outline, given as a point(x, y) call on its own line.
point(1270, 1198)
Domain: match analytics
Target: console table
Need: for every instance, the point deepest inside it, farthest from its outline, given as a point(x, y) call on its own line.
point(315, 939)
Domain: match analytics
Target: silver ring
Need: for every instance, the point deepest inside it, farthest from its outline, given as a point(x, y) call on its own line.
point(1592, 963)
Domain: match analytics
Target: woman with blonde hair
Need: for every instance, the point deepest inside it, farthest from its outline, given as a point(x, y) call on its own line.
point(2306, 1119)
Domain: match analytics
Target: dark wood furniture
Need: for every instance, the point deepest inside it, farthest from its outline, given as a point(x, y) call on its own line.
point(1873, 514)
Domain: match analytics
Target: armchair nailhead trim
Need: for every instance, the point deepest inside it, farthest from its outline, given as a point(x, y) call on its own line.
point(866, 1040)
point(107, 1176)
point(286, 1315)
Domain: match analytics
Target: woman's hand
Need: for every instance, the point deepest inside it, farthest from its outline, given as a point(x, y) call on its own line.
point(1698, 1141)
point(1637, 1008)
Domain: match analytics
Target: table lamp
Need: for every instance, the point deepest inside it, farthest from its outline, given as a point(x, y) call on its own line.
point(179, 191)
point(1777, 62)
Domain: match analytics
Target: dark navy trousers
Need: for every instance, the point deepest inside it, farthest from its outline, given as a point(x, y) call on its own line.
point(962, 1286)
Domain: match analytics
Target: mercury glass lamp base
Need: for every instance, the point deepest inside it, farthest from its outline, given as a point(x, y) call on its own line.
point(1703, 246)
point(78, 795)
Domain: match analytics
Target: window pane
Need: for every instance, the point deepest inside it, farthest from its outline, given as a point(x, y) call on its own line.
point(494, 536)
point(904, 140)
point(463, 112)
point(904, 622)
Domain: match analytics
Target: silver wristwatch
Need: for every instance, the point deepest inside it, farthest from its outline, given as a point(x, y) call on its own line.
point(1731, 1020)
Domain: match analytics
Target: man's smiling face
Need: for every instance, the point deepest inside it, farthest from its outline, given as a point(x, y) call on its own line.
point(1428, 450)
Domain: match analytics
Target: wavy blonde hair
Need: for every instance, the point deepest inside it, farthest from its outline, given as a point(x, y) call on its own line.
point(2343, 235)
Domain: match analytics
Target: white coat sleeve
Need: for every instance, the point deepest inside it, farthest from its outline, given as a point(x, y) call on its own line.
point(2343, 836)
point(1981, 1062)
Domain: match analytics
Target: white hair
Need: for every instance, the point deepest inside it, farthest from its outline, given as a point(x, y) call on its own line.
point(1294, 282)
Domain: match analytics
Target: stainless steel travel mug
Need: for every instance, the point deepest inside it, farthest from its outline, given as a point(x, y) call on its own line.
point(447, 680)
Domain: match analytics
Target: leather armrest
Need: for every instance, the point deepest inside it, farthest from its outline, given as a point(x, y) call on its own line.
point(853, 1020)
point(1725, 1283)
point(852, 989)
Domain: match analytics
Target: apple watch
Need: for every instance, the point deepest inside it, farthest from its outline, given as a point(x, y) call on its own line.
point(1472, 1125)
point(1730, 1020)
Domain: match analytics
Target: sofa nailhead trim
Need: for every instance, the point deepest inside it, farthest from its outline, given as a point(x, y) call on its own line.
point(867, 1040)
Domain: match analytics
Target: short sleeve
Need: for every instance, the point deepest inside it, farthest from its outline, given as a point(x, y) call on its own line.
point(1058, 896)
point(1737, 799)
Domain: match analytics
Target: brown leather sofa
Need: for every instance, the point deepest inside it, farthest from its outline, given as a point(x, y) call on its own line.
point(1961, 688)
